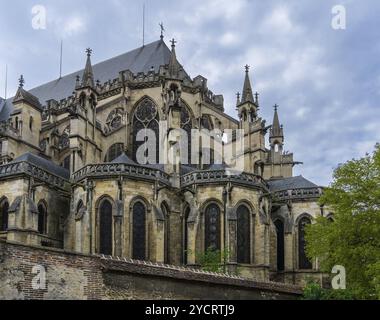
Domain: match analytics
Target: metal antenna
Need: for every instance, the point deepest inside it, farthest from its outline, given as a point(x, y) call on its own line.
point(6, 81)
point(143, 24)
point(60, 61)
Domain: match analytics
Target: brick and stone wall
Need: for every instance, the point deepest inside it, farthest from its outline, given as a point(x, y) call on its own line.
point(77, 276)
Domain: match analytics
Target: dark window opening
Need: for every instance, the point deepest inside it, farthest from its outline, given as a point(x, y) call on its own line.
point(304, 262)
point(139, 231)
point(105, 237)
point(42, 219)
point(4, 216)
point(280, 245)
point(243, 235)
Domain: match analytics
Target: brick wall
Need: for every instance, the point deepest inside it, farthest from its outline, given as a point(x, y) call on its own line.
point(76, 276)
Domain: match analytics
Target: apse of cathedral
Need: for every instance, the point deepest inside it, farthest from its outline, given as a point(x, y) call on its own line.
point(70, 175)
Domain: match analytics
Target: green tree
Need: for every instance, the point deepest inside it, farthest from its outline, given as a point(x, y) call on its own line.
point(353, 238)
point(211, 260)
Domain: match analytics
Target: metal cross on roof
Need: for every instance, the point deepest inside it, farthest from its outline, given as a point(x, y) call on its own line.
point(276, 107)
point(162, 29)
point(173, 42)
point(247, 68)
point(89, 51)
point(21, 81)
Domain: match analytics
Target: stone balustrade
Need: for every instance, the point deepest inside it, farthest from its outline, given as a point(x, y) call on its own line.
point(221, 176)
point(20, 168)
point(301, 193)
point(117, 169)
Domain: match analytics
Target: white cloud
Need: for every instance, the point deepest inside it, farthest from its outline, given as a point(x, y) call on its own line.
point(278, 21)
point(230, 39)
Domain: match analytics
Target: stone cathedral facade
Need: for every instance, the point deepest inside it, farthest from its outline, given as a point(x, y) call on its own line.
point(70, 179)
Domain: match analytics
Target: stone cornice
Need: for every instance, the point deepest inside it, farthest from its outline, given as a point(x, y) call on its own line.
point(25, 168)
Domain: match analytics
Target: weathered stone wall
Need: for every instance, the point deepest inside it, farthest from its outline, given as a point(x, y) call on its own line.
point(79, 277)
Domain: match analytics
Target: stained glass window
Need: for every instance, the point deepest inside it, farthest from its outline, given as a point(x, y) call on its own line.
point(105, 224)
point(304, 262)
point(139, 231)
point(243, 235)
point(145, 117)
point(212, 227)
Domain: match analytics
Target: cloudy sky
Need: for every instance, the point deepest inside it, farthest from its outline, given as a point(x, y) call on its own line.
point(326, 81)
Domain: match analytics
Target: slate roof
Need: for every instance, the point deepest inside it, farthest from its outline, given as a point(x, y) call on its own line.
point(44, 164)
point(124, 159)
point(142, 59)
point(298, 182)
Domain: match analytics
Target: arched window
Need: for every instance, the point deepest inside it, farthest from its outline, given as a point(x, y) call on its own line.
point(31, 123)
point(243, 235)
point(166, 214)
point(212, 227)
point(145, 117)
point(16, 123)
point(185, 234)
point(4, 207)
point(42, 218)
point(280, 245)
point(303, 260)
point(105, 228)
point(139, 231)
point(114, 151)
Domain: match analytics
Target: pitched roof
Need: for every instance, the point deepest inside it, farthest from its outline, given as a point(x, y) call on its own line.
point(44, 164)
point(23, 95)
point(142, 59)
point(298, 182)
point(124, 159)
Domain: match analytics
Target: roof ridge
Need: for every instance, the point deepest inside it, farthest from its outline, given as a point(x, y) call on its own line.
point(94, 65)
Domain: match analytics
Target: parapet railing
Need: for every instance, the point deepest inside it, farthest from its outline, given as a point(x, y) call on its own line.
point(300, 193)
point(218, 176)
point(117, 169)
point(36, 172)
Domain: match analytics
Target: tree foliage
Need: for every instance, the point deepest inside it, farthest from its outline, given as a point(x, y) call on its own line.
point(353, 238)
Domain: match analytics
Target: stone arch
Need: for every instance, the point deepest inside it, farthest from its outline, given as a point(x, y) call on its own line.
point(212, 218)
point(105, 208)
point(304, 262)
point(139, 234)
point(244, 232)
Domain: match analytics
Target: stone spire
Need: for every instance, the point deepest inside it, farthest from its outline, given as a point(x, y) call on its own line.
point(174, 66)
point(88, 74)
point(277, 130)
point(247, 95)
